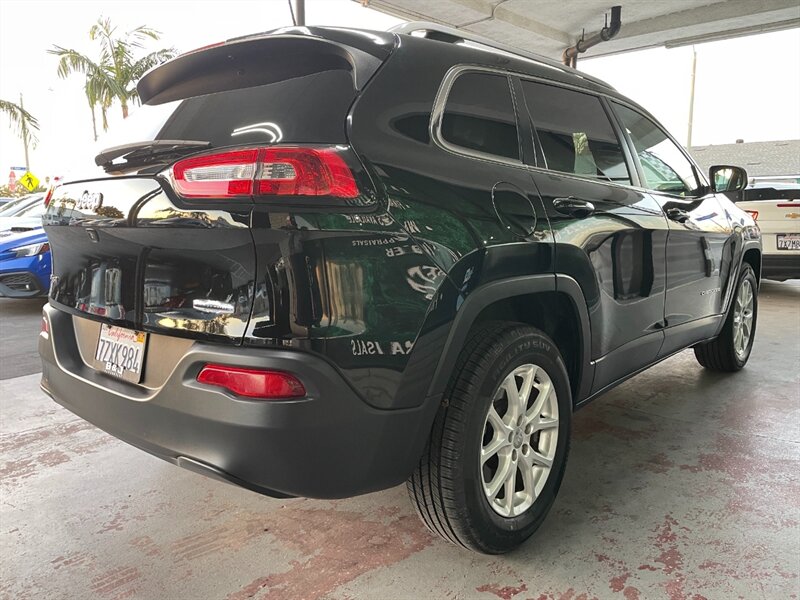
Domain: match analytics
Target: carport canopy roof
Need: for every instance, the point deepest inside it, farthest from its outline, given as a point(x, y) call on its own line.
point(547, 27)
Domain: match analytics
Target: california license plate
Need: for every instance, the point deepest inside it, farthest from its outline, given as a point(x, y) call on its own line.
point(120, 352)
point(788, 241)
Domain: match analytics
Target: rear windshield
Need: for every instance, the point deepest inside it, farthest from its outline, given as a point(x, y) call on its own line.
point(306, 109)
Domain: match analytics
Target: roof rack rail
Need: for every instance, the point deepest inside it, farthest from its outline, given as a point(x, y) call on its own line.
point(443, 33)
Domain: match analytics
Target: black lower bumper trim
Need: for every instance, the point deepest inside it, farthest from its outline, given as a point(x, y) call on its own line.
point(20, 285)
point(780, 268)
point(330, 444)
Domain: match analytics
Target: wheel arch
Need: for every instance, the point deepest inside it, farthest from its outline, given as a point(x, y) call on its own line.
point(752, 256)
point(552, 303)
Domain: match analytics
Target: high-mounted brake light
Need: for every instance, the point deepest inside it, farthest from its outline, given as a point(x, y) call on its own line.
point(272, 171)
point(252, 383)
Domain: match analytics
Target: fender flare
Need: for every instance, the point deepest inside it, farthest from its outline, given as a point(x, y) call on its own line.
point(495, 291)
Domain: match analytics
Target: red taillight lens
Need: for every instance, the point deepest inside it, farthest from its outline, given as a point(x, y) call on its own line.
point(272, 171)
point(252, 383)
point(45, 326)
point(305, 172)
point(49, 195)
point(753, 213)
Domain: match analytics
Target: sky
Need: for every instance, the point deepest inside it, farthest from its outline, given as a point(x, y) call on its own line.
point(746, 88)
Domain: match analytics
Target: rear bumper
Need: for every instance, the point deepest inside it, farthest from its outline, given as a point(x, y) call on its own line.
point(781, 268)
point(330, 444)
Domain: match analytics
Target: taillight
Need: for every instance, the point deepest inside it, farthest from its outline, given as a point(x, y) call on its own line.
point(49, 195)
point(752, 213)
point(272, 171)
point(45, 331)
point(219, 175)
point(252, 383)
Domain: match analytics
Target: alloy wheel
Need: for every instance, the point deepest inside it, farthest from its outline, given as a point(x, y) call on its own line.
point(743, 319)
point(520, 436)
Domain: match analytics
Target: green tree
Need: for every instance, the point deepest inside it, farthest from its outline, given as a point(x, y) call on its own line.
point(21, 121)
point(113, 74)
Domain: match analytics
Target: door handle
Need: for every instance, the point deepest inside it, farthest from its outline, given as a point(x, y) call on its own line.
point(677, 214)
point(574, 207)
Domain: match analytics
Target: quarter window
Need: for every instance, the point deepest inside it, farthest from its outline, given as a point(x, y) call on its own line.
point(665, 167)
point(575, 133)
point(479, 115)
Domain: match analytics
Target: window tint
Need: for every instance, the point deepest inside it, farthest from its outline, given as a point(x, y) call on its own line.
point(665, 167)
point(575, 133)
point(479, 115)
point(312, 108)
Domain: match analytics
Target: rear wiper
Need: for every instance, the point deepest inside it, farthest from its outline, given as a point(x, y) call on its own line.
point(138, 154)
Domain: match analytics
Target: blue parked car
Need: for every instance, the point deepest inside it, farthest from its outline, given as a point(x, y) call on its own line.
point(24, 263)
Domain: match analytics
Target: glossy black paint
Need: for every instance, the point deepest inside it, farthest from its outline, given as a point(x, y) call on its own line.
point(129, 254)
point(385, 289)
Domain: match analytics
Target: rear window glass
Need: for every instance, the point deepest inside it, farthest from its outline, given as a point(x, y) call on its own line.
point(575, 133)
point(306, 109)
point(479, 115)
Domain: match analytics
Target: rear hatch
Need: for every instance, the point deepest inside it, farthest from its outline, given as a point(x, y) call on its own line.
point(162, 241)
point(776, 209)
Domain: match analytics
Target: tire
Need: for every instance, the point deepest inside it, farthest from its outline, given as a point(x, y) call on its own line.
point(448, 486)
point(725, 353)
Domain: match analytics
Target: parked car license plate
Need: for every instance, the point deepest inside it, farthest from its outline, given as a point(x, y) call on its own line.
point(788, 241)
point(120, 352)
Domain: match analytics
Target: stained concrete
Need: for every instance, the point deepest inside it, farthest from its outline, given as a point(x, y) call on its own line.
point(681, 484)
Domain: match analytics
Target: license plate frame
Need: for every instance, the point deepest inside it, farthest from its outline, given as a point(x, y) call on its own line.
point(791, 242)
point(120, 352)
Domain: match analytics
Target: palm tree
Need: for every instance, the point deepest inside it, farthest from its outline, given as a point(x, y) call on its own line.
point(114, 74)
point(21, 121)
point(98, 86)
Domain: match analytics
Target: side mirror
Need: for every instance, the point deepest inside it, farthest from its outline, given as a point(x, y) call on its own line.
point(727, 178)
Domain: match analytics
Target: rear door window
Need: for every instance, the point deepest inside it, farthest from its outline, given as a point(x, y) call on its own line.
point(575, 133)
point(479, 115)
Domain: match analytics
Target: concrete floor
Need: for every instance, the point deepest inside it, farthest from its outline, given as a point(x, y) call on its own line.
point(682, 484)
point(20, 321)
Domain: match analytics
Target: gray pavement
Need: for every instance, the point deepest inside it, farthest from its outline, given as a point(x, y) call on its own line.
point(20, 321)
point(681, 484)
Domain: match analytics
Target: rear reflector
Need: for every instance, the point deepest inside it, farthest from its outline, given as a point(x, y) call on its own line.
point(272, 171)
point(252, 383)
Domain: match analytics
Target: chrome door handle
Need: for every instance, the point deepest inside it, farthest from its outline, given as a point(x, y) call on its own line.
point(574, 207)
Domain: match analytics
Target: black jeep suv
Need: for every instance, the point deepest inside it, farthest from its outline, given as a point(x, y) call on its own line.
point(328, 261)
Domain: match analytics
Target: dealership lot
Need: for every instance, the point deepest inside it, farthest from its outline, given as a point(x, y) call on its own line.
point(681, 483)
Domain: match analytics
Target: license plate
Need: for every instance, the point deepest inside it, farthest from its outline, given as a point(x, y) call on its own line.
point(120, 352)
point(788, 241)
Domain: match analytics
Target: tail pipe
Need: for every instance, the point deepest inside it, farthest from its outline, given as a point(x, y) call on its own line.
point(570, 56)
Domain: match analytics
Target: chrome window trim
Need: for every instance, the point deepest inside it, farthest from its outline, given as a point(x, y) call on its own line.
point(437, 114)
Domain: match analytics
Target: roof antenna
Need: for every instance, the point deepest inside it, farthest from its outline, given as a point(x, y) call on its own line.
point(291, 10)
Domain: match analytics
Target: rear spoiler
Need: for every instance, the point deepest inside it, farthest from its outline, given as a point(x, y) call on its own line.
point(266, 58)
